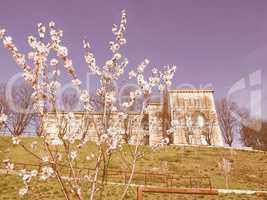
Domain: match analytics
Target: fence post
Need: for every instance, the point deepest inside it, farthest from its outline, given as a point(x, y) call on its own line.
point(167, 180)
point(210, 183)
point(139, 193)
point(145, 178)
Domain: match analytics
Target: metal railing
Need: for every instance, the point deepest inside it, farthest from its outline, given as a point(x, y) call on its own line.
point(146, 178)
point(192, 191)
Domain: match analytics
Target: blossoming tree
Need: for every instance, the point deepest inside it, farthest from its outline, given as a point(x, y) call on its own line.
point(43, 72)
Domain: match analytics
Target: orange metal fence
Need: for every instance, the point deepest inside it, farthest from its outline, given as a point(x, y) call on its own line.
point(145, 178)
point(195, 191)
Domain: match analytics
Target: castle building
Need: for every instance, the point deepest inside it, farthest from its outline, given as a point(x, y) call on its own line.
point(185, 116)
point(196, 113)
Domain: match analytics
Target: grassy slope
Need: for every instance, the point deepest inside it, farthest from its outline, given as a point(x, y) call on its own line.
point(249, 169)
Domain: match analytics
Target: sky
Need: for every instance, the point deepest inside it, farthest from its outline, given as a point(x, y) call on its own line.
point(220, 44)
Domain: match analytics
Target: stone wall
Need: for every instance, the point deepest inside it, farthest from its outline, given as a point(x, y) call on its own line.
point(154, 111)
point(195, 113)
point(90, 126)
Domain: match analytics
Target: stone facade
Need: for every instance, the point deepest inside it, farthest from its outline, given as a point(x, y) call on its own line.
point(154, 111)
point(190, 113)
point(195, 114)
point(90, 125)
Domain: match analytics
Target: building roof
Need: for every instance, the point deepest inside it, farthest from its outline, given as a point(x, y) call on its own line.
point(91, 113)
point(186, 90)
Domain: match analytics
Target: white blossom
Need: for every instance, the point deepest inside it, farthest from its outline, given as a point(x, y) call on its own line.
point(23, 191)
point(3, 118)
point(161, 87)
point(20, 59)
point(117, 56)
point(45, 158)
point(46, 173)
point(79, 192)
point(27, 76)
point(32, 42)
point(155, 71)
point(103, 138)
point(146, 61)
point(62, 51)
point(114, 47)
point(138, 93)
point(125, 105)
point(68, 63)
point(27, 175)
point(10, 166)
point(41, 30)
point(114, 28)
point(55, 85)
point(115, 137)
point(114, 109)
point(91, 156)
point(110, 98)
point(76, 82)
point(15, 140)
point(56, 73)
point(88, 107)
point(34, 172)
point(86, 44)
point(122, 41)
point(31, 55)
point(165, 141)
point(59, 156)
point(2, 33)
point(132, 74)
point(132, 95)
point(84, 96)
point(53, 62)
point(91, 61)
point(73, 155)
point(7, 41)
point(51, 24)
point(122, 115)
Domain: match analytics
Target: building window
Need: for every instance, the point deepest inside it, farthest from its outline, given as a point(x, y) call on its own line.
point(145, 123)
point(188, 121)
point(200, 121)
point(197, 103)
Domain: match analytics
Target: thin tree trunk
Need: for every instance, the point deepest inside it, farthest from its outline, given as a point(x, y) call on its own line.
point(132, 173)
point(93, 190)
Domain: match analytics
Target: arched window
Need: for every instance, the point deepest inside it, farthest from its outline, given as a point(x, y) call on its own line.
point(200, 121)
point(188, 121)
point(145, 122)
point(203, 140)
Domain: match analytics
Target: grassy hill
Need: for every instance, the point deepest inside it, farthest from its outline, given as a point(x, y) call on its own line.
point(249, 170)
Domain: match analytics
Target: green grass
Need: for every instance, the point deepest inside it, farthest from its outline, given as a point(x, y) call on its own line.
point(9, 186)
point(249, 170)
